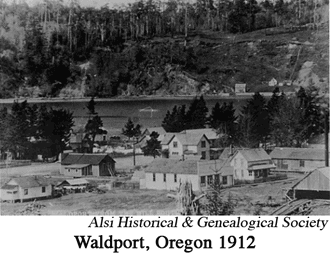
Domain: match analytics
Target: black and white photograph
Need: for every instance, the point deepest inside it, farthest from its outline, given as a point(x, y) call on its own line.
point(164, 107)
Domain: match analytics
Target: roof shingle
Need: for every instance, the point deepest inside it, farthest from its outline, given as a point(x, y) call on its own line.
point(298, 154)
point(194, 167)
point(87, 159)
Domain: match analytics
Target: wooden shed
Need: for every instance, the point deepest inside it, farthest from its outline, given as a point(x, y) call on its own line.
point(80, 164)
point(315, 185)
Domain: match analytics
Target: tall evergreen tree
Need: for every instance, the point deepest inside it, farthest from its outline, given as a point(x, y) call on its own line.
point(215, 116)
point(287, 125)
point(153, 146)
point(130, 130)
point(196, 117)
point(94, 125)
point(254, 122)
point(175, 121)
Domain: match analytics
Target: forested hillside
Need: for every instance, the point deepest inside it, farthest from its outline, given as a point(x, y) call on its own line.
point(161, 47)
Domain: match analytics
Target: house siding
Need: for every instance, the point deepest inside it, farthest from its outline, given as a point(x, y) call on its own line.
point(240, 165)
point(78, 172)
point(242, 171)
point(170, 184)
point(294, 164)
point(177, 151)
point(33, 192)
point(205, 149)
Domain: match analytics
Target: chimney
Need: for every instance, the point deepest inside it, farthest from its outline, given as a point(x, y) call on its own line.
point(230, 150)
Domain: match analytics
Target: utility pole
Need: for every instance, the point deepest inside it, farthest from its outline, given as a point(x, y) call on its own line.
point(326, 137)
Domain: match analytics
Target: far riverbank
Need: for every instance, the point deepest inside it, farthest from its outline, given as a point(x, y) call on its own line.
point(133, 98)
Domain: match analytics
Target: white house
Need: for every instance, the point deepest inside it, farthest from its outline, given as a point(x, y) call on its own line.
point(251, 164)
point(183, 145)
point(26, 188)
point(166, 174)
point(272, 82)
point(210, 133)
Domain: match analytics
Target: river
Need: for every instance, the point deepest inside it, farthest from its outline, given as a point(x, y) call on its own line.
point(148, 112)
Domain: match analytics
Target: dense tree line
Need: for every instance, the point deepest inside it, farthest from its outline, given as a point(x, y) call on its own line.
point(44, 42)
point(180, 119)
point(285, 121)
point(29, 130)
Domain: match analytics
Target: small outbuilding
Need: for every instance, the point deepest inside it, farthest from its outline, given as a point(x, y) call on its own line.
point(74, 184)
point(81, 165)
point(240, 88)
point(315, 185)
point(297, 159)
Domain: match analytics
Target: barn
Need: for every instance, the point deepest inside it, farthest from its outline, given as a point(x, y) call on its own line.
point(81, 165)
point(315, 185)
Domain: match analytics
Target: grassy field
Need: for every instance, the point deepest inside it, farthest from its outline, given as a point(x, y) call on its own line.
point(255, 199)
point(116, 202)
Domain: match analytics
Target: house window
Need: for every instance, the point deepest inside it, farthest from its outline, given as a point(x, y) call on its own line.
point(203, 155)
point(164, 177)
point(250, 173)
point(235, 161)
point(224, 180)
point(104, 138)
point(203, 144)
point(175, 178)
point(26, 191)
point(302, 163)
point(154, 177)
point(175, 153)
point(283, 164)
point(216, 178)
point(242, 163)
point(202, 180)
point(175, 144)
point(69, 170)
point(209, 179)
point(43, 189)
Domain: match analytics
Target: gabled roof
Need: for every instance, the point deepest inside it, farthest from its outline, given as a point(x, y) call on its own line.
point(227, 152)
point(9, 187)
point(83, 159)
point(28, 182)
point(319, 180)
point(254, 154)
point(79, 181)
point(76, 137)
point(167, 138)
point(159, 130)
point(209, 133)
point(193, 167)
point(298, 153)
point(190, 139)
